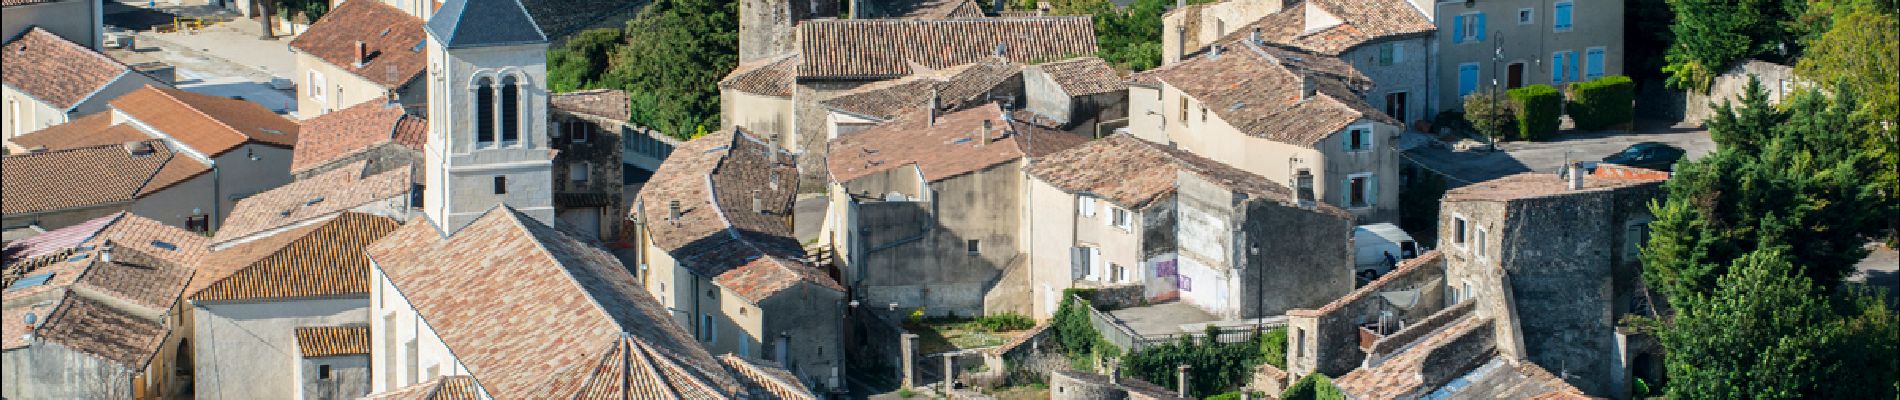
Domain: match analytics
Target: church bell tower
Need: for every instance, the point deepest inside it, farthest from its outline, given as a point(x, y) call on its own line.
point(488, 134)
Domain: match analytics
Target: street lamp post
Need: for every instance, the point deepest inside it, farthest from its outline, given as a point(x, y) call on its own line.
point(1497, 56)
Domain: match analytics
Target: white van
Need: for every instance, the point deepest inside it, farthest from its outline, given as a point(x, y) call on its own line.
point(1373, 242)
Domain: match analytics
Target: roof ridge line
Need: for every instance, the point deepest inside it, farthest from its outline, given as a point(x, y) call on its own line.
point(518, 219)
point(194, 109)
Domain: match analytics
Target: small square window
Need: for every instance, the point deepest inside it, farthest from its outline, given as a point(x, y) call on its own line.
point(1526, 16)
point(975, 247)
point(1120, 218)
point(323, 372)
point(1458, 231)
point(578, 171)
point(501, 185)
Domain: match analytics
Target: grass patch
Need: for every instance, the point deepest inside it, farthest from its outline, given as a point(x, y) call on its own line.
point(940, 334)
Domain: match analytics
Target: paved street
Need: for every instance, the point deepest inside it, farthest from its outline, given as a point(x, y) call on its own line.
point(1477, 166)
point(225, 60)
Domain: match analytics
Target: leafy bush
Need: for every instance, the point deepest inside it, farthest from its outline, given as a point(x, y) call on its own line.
point(579, 63)
point(1235, 395)
point(1603, 103)
point(1213, 367)
point(1313, 387)
point(1073, 333)
point(1539, 111)
point(1273, 347)
point(1489, 114)
point(1004, 322)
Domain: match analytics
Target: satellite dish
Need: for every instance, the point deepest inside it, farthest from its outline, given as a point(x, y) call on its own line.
point(31, 318)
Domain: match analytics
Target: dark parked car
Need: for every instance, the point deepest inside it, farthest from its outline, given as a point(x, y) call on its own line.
point(1651, 155)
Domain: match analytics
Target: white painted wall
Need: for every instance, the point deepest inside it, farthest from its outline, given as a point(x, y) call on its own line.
point(399, 338)
point(248, 350)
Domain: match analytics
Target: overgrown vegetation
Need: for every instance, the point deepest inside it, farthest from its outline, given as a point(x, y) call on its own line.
point(1273, 347)
point(288, 9)
point(1539, 111)
point(1213, 367)
point(1003, 322)
point(1313, 387)
point(1489, 113)
point(1603, 103)
point(669, 59)
point(1750, 245)
point(1074, 335)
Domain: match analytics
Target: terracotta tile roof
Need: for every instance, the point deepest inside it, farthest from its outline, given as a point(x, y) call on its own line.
point(604, 103)
point(1625, 172)
point(1432, 258)
point(311, 199)
point(11, 3)
point(327, 261)
point(392, 41)
point(728, 167)
point(557, 311)
point(929, 9)
point(1131, 172)
point(358, 128)
point(956, 87)
point(1082, 76)
point(89, 176)
point(93, 327)
point(96, 129)
point(770, 76)
point(718, 234)
point(1399, 376)
point(155, 239)
point(458, 387)
point(1360, 22)
point(209, 124)
point(227, 261)
point(327, 341)
point(946, 149)
point(1531, 185)
point(878, 49)
point(56, 71)
point(1257, 90)
point(136, 277)
point(767, 379)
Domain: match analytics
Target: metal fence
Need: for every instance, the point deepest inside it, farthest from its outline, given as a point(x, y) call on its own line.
point(1128, 340)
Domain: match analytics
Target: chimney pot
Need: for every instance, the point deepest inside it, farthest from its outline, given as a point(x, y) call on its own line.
point(1255, 36)
point(1181, 380)
point(986, 132)
point(758, 204)
point(105, 252)
point(673, 209)
point(362, 53)
point(936, 97)
point(1574, 176)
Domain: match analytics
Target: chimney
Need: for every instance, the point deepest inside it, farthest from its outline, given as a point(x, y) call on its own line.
point(1303, 188)
point(673, 208)
point(1114, 373)
point(1308, 88)
point(1180, 380)
point(758, 204)
point(139, 148)
point(1574, 176)
point(936, 97)
point(105, 252)
point(1180, 39)
point(362, 54)
point(1254, 37)
point(986, 132)
point(1213, 51)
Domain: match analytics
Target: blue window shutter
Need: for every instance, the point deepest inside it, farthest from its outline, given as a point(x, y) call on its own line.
point(1594, 62)
point(1345, 141)
point(1557, 68)
point(1467, 79)
point(1458, 29)
point(1372, 190)
point(1570, 65)
point(1563, 16)
point(1480, 28)
point(1345, 193)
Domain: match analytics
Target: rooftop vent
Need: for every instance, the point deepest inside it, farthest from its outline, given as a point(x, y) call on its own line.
point(105, 252)
point(313, 202)
point(1303, 188)
point(1308, 87)
point(1574, 176)
point(673, 211)
point(164, 245)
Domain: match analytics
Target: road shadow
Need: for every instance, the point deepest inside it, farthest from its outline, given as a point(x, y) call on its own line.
point(1462, 168)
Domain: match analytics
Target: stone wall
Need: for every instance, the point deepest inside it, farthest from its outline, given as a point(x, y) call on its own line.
point(1778, 80)
point(1325, 340)
point(1295, 258)
point(769, 27)
point(808, 129)
point(349, 377)
point(1074, 385)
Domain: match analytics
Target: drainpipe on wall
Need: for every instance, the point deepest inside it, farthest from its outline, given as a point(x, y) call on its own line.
point(217, 196)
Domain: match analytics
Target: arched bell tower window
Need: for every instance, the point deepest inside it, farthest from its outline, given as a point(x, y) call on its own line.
point(484, 111)
point(510, 110)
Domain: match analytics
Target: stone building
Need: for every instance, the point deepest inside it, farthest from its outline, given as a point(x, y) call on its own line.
point(1277, 112)
point(830, 57)
point(570, 320)
point(95, 321)
point(1122, 211)
point(768, 28)
point(1188, 28)
point(948, 90)
point(1077, 385)
point(713, 233)
point(1533, 275)
point(360, 52)
point(251, 299)
point(588, 128)
point(1556, 262)
point(51, 80)
point(927, 210)
point(1078, 94)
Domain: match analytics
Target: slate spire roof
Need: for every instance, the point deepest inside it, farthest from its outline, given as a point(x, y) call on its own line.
point(478, 23)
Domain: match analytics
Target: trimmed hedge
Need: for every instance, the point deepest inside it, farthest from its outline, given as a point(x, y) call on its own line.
point(1539, 111)
point(1313, 387)
point(1603, 103)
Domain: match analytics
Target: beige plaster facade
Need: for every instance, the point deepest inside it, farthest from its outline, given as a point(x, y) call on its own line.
point(1530, 34)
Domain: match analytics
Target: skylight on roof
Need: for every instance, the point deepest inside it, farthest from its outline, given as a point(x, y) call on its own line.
point(313, 202)
point(385, 32)
point(961, 140)
point(30, 281)
point(76, 258)
point(418, 48)
point(164, 245)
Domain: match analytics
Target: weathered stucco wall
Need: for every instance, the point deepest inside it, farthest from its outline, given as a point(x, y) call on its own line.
point(765, 116)
point(1409, 74)
point(938, 271)
point(1594, 24)
point(809, 129)
point(811, 320)
point(249, 349)
point(1302, 259)
point(48, 370)
point(348, 379)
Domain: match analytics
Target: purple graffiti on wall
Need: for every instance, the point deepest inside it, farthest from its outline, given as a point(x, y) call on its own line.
point(1165, 269)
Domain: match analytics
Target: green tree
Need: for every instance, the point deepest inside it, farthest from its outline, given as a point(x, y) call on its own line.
point(1213, 367)
point(579, 64)
point(1711, 34)
point(1490, 113)
point(1767, 332)
point(1862, 52)
point(1313, 387)
point(1792, 178)
point(672, 64)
